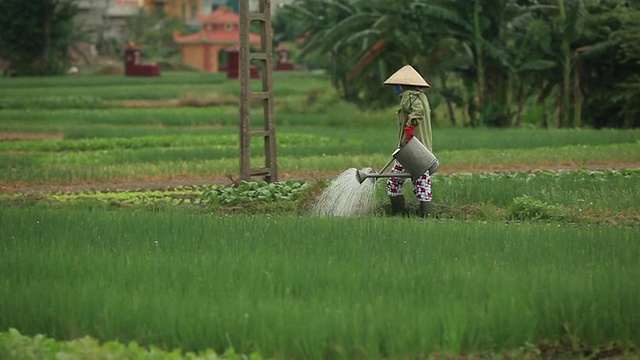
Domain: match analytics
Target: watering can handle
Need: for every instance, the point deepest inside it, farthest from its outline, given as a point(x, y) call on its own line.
point(386, 166)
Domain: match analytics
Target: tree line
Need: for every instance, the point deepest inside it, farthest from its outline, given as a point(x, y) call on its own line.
point(36, 37)
point(488, 61)
point(492, 59)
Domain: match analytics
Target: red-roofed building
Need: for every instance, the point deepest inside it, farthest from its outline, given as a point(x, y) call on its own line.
point(206, 49)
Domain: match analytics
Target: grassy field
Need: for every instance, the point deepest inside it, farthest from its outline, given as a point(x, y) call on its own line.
point(118, 222)
point(293, 287)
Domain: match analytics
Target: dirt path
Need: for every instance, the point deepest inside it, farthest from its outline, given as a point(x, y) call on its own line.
point(225, 180)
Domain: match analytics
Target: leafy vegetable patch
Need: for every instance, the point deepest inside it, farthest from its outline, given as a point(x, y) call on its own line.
point(206, 196)
point(253, 191)
point(16, 346)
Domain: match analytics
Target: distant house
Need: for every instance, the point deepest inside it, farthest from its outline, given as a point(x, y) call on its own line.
point(186, 10)
point(206, 49)
point(106, 18)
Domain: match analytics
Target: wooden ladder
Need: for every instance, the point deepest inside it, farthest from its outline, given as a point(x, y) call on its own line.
point(270, 169)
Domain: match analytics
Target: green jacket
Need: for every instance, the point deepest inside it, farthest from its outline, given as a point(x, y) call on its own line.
point(415, 110)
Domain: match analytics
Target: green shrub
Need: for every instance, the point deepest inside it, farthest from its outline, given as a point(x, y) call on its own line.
point(528, 208)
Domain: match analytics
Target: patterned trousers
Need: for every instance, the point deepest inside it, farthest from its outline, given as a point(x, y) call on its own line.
point(421, 186)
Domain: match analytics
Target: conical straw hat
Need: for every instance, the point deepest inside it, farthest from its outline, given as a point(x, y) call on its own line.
point(407, 75)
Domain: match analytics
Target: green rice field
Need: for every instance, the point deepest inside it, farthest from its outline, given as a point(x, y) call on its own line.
point(126, 234)
point(296, 287)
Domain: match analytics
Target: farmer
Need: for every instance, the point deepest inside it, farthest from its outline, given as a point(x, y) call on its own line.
point(414, 119)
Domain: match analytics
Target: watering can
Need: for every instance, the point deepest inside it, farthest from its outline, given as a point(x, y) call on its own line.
point(414, 157)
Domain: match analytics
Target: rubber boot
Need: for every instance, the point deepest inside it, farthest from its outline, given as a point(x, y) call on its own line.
point(425, 209)
point(397, 205)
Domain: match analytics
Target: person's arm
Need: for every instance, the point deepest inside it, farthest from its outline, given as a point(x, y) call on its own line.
point(415, 114)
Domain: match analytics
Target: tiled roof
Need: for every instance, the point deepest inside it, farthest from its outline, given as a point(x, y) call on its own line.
point(220, 15)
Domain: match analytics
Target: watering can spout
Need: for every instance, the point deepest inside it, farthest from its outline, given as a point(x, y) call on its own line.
point(362, 175)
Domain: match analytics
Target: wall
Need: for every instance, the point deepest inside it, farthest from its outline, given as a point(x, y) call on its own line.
point(193, 55)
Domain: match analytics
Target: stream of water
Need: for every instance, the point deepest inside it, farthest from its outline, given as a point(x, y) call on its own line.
point(345, 196)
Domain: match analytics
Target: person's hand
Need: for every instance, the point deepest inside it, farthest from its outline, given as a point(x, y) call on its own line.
point(408, 133)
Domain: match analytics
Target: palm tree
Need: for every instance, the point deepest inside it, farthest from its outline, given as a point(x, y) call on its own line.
point(570, 23)
point(481, 37)
point(322, 24)
point(367, 40)
point(560, 48)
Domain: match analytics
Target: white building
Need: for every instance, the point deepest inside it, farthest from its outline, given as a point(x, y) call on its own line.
point(105, 18)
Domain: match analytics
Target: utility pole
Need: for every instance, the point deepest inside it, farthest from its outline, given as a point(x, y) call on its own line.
point(265, 54)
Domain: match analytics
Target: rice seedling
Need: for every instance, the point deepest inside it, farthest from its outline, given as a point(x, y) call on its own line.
point(299, 287)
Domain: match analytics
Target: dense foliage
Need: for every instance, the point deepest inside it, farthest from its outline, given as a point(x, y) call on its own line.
point(36, 36)
point(609, 72)
point(487, 61)
point(489, 57)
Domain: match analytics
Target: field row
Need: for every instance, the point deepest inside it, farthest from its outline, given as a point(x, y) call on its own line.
point(295, 287)
point(17, 92)
point(128, 136)
point(132, 165)
point(566, 197)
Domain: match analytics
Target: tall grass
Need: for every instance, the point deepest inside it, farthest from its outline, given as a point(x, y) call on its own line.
point(356, 288)
point(615, 191)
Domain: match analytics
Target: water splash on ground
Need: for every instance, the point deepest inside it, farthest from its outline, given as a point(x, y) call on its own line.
point(345, 196)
